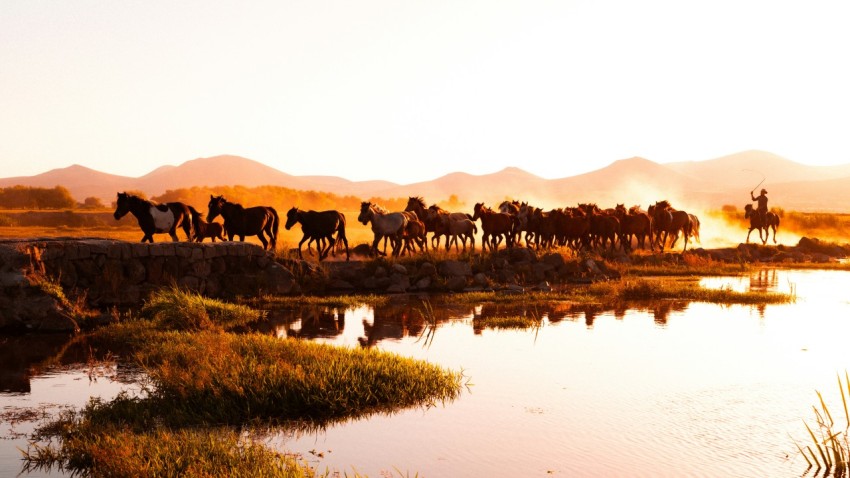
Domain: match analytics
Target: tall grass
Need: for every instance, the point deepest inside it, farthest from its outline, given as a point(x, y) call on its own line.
point(830, 445)
point(175, 309)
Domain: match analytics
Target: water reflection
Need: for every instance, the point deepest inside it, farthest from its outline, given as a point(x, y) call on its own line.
point(675, 388)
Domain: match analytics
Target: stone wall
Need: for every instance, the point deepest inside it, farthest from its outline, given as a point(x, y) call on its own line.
point(117, 273)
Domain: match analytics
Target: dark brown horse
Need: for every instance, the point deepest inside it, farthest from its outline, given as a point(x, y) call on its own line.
point(771, 220)
point(634, 225)
point(260, 221)
point(494, 226)
point(155, 218)
point(319, 225)
point(204, 229)
point(668, 222)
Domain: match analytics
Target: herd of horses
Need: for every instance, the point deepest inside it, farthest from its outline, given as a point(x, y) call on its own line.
point(583, 227)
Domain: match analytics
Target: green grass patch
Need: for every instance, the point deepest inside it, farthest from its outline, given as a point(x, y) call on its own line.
point(176, 309)
point(660, 289)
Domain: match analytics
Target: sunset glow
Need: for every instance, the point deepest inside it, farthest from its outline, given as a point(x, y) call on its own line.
point(412, 91)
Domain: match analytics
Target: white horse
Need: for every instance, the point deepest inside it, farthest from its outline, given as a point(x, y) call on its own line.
point(384, 225)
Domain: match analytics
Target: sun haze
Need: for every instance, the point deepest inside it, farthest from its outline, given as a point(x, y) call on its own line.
point(410, 91)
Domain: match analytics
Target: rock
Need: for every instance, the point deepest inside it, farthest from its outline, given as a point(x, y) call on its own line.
point(456, 283)
point(455, 269)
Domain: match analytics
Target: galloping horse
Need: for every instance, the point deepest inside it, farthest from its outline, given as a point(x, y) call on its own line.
point(634, 223)
point(494, 225)
point(241, 221)
point(319, 226)
point(384, 224)
point(771, 221)
point(155, 218)
point(667, 221)
point(204, 229)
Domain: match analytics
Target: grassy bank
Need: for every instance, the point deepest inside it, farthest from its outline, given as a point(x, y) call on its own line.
point(204, 385)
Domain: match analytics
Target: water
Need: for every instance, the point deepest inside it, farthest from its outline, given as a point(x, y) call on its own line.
point(671, 389)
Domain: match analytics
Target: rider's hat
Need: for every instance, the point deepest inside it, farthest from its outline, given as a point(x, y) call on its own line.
point(764, 191)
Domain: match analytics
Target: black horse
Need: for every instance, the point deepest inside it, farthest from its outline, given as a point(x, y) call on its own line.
point(319, 225)
point(771, 221)
point(260, 221)
point(155, 218)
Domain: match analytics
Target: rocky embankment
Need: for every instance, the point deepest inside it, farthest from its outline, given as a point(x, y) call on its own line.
point(44, 281)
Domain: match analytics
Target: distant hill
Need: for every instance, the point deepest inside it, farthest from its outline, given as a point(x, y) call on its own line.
point(710, 183)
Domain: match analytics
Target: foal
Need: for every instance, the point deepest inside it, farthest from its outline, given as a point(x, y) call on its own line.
point(204, 229)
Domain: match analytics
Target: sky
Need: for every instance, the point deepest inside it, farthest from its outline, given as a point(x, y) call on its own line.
point(409, 91)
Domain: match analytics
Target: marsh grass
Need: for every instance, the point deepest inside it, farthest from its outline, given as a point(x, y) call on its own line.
point(75, 309)
point(657, 289)
point(355, 300)
point(112, 450)
point(176, 309)
point(508, 322)
point(830, 445)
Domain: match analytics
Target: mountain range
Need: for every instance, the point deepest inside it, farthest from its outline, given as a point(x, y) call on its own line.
point(703, 184)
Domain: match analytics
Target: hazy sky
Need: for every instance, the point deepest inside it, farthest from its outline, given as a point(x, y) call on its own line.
point(413, 90)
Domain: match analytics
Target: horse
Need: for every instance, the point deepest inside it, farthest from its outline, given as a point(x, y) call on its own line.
point(771, 221)
point(494, 225)
point(319, 225)
point(604, 226)
point(667, 221)
point(260, 221)
point(384, 224)
point(155, 218)
point(430, 216)
point(465, 229)
point(204, 229)
point(634, 224)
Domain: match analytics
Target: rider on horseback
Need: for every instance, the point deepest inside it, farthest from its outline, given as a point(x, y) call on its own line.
point(762, 204)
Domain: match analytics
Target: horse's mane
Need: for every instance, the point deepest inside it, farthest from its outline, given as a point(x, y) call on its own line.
point(378, 208)
point(664, 204)
point(418, 200)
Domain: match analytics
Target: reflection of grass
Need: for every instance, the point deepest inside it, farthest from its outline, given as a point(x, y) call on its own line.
point(830, 441)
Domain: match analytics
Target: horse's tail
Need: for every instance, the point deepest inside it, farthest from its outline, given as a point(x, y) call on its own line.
point(274, 227)
point(340, 233)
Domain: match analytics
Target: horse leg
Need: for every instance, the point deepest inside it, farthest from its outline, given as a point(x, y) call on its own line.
point(302, 242)
point(262, 239)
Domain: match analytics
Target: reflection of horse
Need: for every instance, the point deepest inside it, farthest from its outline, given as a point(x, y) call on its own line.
point(494, 225)
point(241, 221)
point(204, 229)
point(319, 225)
point(771, 220)
point(155, 218)
point(384, 224)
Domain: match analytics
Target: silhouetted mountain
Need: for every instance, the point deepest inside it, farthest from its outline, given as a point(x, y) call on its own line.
point(710, 183)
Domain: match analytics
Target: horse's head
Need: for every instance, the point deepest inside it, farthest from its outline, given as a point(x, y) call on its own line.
point(476, 210)
point(665, 204)
point(215, 206)
point(415, 203)
point(122, 206)
point(365, 212)
point(748, 211)
point(291, 218)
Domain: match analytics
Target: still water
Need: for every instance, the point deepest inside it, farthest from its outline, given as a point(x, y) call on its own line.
point(664, 389)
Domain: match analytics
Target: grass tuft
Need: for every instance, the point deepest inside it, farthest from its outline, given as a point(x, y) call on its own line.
point(176, 309)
